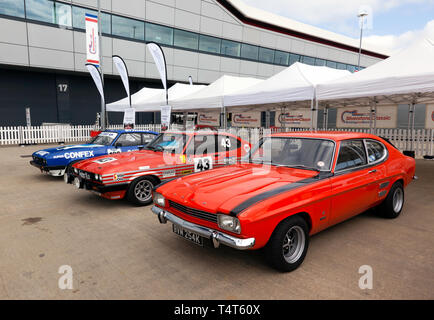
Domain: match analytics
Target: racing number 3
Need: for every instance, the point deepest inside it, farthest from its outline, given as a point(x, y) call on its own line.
point(202, 164)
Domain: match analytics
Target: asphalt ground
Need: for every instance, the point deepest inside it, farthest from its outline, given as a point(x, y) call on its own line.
point(119, 251)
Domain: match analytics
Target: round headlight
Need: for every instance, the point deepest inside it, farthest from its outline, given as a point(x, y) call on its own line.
point(75, 170)
point(159, 199)
point(229, 223)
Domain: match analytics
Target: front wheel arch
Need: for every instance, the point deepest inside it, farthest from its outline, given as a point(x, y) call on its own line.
point(130, 191)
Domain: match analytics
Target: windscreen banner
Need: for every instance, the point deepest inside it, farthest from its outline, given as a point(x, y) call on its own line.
point(92, 39)
point(246, 119)
point(208, 119)
point(429, 119)
point(359, 117)
point(297, 118)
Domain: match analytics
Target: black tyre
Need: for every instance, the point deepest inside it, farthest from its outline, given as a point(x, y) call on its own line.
point(140, 190)
point(67, 176)
point(288, 244)
point(392, 206)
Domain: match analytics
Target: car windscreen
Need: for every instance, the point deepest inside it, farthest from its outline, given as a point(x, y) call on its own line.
point(168, 142)
point(104, 138)
point(305, 153)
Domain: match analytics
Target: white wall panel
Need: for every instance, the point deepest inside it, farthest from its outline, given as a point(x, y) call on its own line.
point(13, 54)
point(229, 65)
point(283, 43)
point(134, 8)
point(211, 26)
point(49, 37)
point(129, 50)
point(190, 5)
point(232, 31)
point(187, 20)
point(185, 58)
point(160, 13)
point(182, 73)
point(207, 76)
point(249, 68)
point(54, 59)
point(13, 32)
point(209, 62)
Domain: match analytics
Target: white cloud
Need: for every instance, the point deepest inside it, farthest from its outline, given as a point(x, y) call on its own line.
point(327, 11)
point(340, 16)
point(394, 43)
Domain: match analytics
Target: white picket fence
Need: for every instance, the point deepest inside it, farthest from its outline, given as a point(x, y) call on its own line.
point(54, 134)
point(420, 140)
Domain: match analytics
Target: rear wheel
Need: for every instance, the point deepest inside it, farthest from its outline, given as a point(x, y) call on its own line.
point(288, 244)
point(140, 190)
point(394, 202)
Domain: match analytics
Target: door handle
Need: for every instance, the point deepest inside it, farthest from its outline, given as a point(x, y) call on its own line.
point(372, 171)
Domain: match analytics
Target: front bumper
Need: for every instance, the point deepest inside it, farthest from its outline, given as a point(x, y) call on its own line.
point(52, 170)
point(217, 237)
point(95, 186)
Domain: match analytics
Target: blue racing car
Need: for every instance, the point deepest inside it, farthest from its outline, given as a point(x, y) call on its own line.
point(55, 161)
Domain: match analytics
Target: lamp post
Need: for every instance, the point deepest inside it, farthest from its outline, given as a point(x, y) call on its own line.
point(362, 14)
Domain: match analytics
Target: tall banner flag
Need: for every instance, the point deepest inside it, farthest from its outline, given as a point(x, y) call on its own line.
point(160, 61)
point(92, 39)
point(123, 72)
point(96, 76)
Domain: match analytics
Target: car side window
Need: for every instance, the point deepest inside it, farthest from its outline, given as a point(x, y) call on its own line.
point(376, 150)
point(147, 137)
point(129, 139)
point(351, 155)
point(204, 144)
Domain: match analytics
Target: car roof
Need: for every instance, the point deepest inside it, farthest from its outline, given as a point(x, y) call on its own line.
point(331, 135)
point(129, 130)
point(193, 133)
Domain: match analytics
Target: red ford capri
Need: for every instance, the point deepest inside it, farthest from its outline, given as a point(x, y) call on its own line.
point(133, 175)
point(289, 187)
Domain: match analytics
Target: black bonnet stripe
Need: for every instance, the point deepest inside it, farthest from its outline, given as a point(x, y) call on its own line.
point(267, 194)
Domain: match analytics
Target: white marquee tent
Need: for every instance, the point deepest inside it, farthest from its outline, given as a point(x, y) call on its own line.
point(407, 77)
point(149, 99)
point(295, 83)
point(212, 96)
point(177, 91)
point(139, 97)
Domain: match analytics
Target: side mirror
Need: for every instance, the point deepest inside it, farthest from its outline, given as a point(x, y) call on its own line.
point(118, 144)
point(141, 147)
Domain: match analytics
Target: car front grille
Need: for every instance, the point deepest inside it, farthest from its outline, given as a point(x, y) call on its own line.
point(86, 175)
point(39, 160)
point(194, 212)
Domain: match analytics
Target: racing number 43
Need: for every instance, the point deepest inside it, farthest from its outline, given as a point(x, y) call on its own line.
point(202, 164)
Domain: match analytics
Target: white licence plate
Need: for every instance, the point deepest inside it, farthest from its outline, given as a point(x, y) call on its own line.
point(190, 236)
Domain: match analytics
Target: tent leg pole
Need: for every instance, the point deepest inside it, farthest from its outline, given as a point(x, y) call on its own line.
point(311, 115)
point(267, 119)
point(370, 119)
point(412, 126)
point(375, 118)
point(315, 119)
point(410, 111)
point(324, 118)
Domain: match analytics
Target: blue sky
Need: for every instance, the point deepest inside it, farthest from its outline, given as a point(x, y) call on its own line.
point(395, 23)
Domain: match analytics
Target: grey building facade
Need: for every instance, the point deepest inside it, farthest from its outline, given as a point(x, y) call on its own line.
point(42, 51)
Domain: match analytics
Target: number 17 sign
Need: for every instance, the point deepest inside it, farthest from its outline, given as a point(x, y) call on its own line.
point(92, 40)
